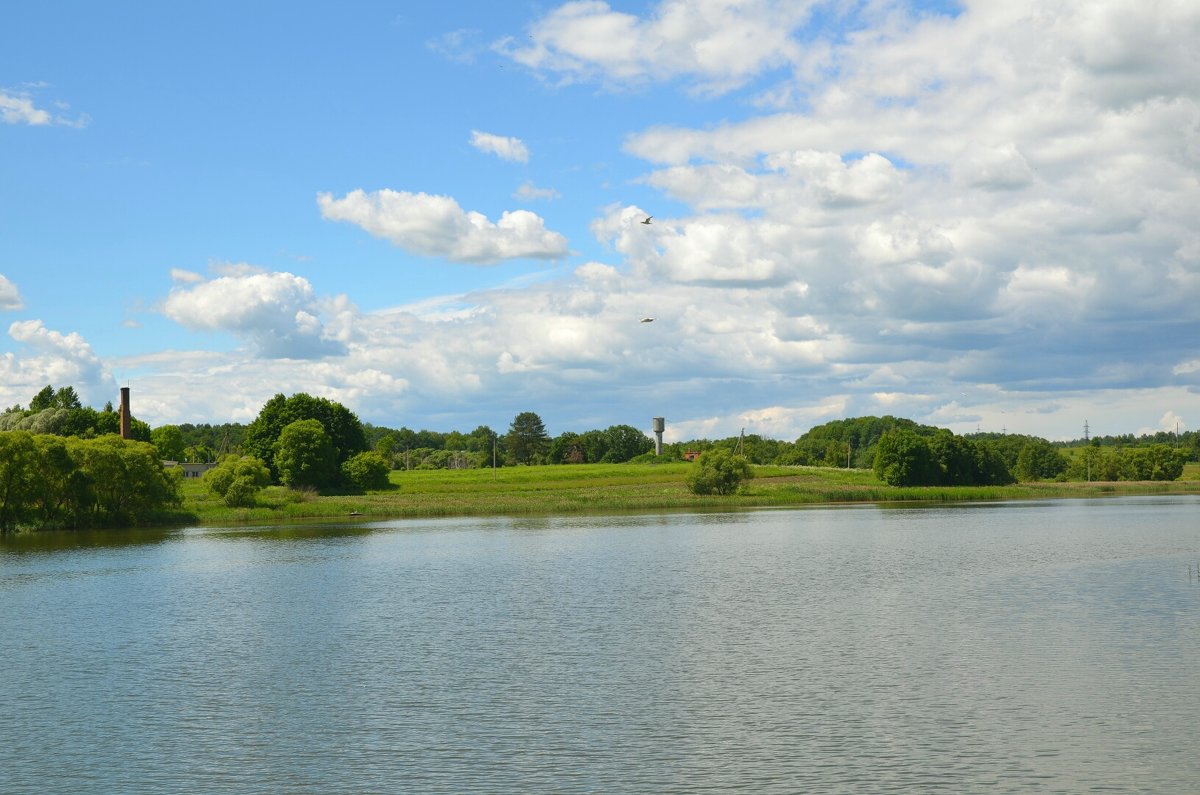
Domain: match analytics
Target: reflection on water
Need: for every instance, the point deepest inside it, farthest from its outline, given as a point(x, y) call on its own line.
point(1010, 647)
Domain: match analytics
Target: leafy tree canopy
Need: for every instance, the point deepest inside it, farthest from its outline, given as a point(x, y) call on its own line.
point(305, 456)
point(528, 442)
point(342, 427)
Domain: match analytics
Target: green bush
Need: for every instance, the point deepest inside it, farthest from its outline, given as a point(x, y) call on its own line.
point(366, 471)
point(238, 479)
point(719, 471)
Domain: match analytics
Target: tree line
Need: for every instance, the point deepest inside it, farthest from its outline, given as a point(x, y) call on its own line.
point(56, 481)
point(61, 463)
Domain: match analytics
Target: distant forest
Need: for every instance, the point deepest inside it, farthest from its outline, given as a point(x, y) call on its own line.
point(63, 464)
point(852, 442)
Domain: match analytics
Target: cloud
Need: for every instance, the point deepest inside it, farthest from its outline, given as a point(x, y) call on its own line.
point(1170, 422)
point(436, 226)
point(512, 149)
point(716, 45)
point(54, 358)
point(462, 45)
point(278, 313)
point(17, 107)
point(527, 191)
point(10, 298)
point(983, 220)
point(186, 277)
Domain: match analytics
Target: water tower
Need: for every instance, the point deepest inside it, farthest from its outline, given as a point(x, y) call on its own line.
point(659, 425)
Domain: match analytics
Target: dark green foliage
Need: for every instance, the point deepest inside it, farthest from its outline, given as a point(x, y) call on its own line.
point(615, 444)
point(527, 440)
point(624, 442)
point(1039, 460)
point(990, 467)
point(906, 458)
point(566, 449)
point(961, 462)
point(18, 467)
point(1094, 462)
point(903, 458)
point(1007, 445)
point(719, 471)
point(305, 456)
point(342, 427)
point(42, 400)
point(366, 471)
point(826, 445)
point(1157, 462)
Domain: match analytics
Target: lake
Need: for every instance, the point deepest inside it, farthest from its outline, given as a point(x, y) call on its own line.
point(999, 647)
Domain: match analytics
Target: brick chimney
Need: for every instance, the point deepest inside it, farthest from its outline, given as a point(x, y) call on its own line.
point(126, 430)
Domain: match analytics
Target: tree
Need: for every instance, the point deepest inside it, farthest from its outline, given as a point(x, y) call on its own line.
point(990, 466)
point(169, 441)
point(200, 454)
point(565, 449)
point(1157, 462)
point(127, 477)
point(386, 446)
point(42, 400)
point(66, 398)
point(366, 471)
point(305, 455)
point(528, 441)
point(624, 443)
point(342, 427)
point(1039, 460)
point(902, 458)
point(719, 471)
point(18, 456)
point(53, 481)
point(64, 493)
point(238, 479)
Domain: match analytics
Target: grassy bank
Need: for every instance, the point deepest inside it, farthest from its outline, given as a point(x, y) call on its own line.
point(608, 488)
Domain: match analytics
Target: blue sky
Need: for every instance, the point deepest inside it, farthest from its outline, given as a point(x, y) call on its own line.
point(974, 215)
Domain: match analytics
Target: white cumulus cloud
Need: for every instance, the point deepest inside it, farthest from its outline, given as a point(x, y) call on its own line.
point(716, 44)
point(436, 226)
point(17, 107)
point(277, 312)
point(505, 148)
point(54, 358)
point(10, 298)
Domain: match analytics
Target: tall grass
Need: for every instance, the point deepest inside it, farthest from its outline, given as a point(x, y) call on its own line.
point(611, 488)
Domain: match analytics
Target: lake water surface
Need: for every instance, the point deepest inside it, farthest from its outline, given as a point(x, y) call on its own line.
point(1012, 647)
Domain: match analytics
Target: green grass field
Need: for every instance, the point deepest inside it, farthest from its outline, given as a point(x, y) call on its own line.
point(611, 488)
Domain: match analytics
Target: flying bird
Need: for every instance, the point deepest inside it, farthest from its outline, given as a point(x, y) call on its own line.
point(648, 217)
point(647, 320)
